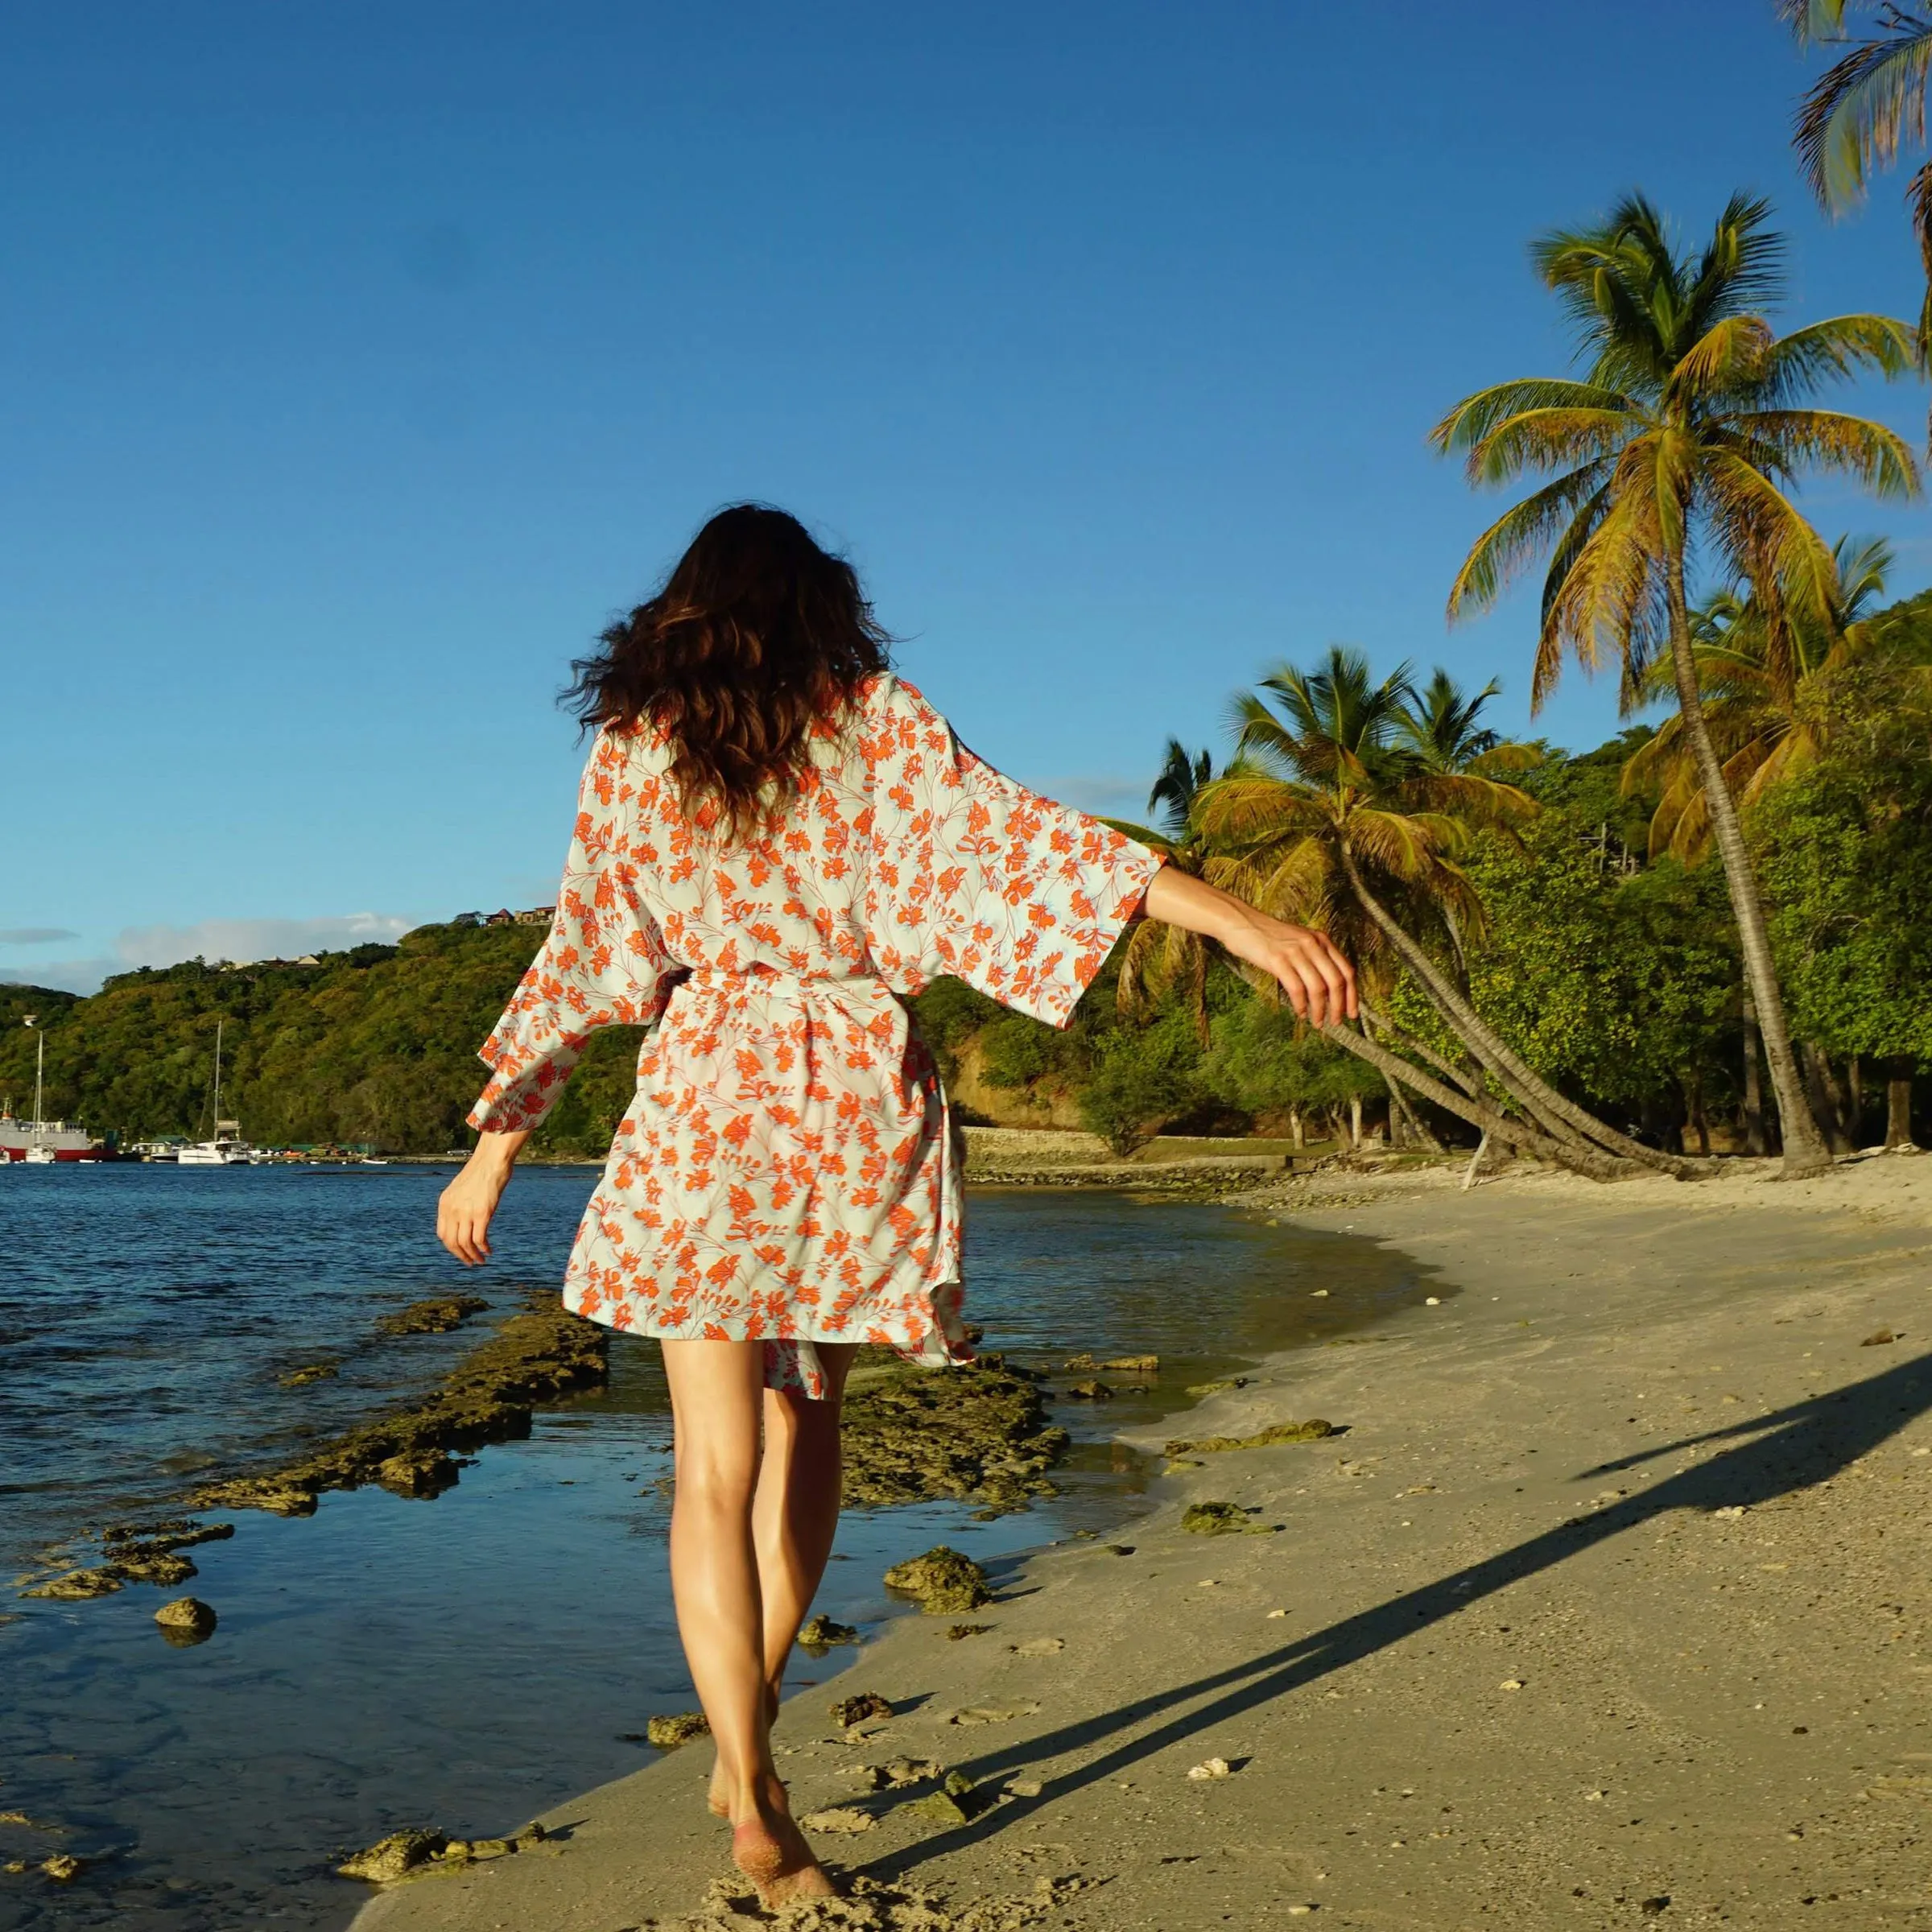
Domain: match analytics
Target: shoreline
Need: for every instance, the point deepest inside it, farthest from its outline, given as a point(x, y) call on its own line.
point(1608, 1593)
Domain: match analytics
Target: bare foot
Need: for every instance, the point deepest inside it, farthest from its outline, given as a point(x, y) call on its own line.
point(720, 1800)
point(771, 1849)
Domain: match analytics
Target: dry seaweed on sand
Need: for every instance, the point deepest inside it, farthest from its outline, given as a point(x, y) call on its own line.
point(977, 1433)
point(871, 1905)
point(1311, 1431)
point(945, 1582)
point(533, 1357)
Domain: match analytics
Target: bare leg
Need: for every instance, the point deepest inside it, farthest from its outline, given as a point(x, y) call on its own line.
point(795, 1518)
point(717, 1399)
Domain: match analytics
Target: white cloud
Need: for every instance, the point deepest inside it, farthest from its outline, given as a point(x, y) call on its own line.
point(69, 975)
point(242, 940)
point(35, 935)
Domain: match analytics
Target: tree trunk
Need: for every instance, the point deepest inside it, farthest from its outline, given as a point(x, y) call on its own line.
point(1855, 1116)
point(1805, 1149)
point(1826, 1097)
point(1558, 1118)
point(1296, 1128)
point(1355, 1121)
point(1754, 1088)
point(1898, 1101)
point(1414, 1128)
point(1588, 1161)
point(1694, 1122)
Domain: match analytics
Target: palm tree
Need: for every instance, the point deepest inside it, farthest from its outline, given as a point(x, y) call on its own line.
point(1756, 670)
point(1685, 431)
point(1328, 818)
point(1443, 726)
point(1855, 115)
point(1182, 777)
point(1159, 958)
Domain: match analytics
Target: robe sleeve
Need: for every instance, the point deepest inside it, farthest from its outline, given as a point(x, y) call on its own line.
point(972, 875)
point(605, 963)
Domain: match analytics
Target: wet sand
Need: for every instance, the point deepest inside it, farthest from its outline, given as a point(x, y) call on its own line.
point(1609, 1606)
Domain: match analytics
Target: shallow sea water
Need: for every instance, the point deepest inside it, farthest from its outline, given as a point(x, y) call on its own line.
point(469, 1660)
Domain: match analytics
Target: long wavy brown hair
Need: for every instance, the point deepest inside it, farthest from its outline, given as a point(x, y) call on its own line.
point(756, 636)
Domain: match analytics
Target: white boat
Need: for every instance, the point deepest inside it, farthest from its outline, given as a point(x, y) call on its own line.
point(41, 1141)
point(230, 1152)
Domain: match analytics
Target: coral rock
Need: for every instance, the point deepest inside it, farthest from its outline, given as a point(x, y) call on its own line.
point(945, 1582)
point(186, 1621)
point(391, 1860)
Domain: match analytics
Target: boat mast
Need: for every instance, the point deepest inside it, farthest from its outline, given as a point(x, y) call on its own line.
point(217, 1080)
point(39, 1068)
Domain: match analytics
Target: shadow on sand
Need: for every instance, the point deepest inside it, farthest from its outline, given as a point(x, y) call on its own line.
point(1788, 1450)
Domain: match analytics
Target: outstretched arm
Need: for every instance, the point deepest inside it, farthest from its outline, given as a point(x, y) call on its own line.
point(1319, 980)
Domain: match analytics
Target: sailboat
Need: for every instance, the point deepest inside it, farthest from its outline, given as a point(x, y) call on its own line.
point(43, 1142)
point(234, 1151)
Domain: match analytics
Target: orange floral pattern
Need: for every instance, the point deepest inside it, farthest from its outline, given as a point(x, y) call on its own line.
point(787, 1172)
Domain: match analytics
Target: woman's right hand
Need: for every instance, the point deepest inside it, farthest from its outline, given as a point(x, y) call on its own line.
point(467, 1203)
point(1313, 972)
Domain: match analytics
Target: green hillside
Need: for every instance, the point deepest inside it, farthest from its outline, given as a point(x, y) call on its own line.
point(377, 1044)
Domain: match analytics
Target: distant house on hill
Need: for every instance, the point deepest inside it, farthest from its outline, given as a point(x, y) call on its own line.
point(537, 915)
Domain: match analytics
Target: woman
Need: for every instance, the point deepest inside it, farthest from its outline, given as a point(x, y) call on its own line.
point(777, 843)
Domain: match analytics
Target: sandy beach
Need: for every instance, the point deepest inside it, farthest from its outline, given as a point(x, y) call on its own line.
point(1608, 1605)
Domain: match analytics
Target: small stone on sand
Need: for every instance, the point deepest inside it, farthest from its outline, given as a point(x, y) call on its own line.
point(1024, 1787)
point(847, 1818)
point(1510, 1683)
point(1038, 1646)
point(1214, 1767)
point(959, 1632)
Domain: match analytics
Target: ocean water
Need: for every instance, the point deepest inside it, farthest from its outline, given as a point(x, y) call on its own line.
point(469, 1660)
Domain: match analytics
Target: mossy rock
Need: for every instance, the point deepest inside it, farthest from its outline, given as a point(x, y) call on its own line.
point(1215, 1519)
point(978, 1433)
point(667, 1732)
point(390, 1861)
point(487, 1397)
point(822, 1632)
point(436, 1316)
point(944, 1582)
point(1311, 1431)
point(77, 1586)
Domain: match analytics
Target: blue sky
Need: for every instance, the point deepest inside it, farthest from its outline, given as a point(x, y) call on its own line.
point(360, 361)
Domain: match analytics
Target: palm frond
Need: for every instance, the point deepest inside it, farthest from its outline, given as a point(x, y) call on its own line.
point(1855, 115)
point(1522, 533)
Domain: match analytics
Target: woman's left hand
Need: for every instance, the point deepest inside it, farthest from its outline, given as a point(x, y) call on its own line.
point(467, 1203)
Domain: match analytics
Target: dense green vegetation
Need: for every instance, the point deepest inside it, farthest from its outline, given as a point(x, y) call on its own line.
point(1614, 974)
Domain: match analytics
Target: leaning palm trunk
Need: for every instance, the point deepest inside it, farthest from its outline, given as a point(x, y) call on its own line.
point(1514, 1134)
point(1805, 1149)
point(1561, 1121)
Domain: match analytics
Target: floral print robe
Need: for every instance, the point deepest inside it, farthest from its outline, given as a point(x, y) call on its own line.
point(787, 1171)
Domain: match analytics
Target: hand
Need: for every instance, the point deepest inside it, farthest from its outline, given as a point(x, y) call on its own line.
point(463, 1212)
point(1314, 974)
point(1317, 979)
